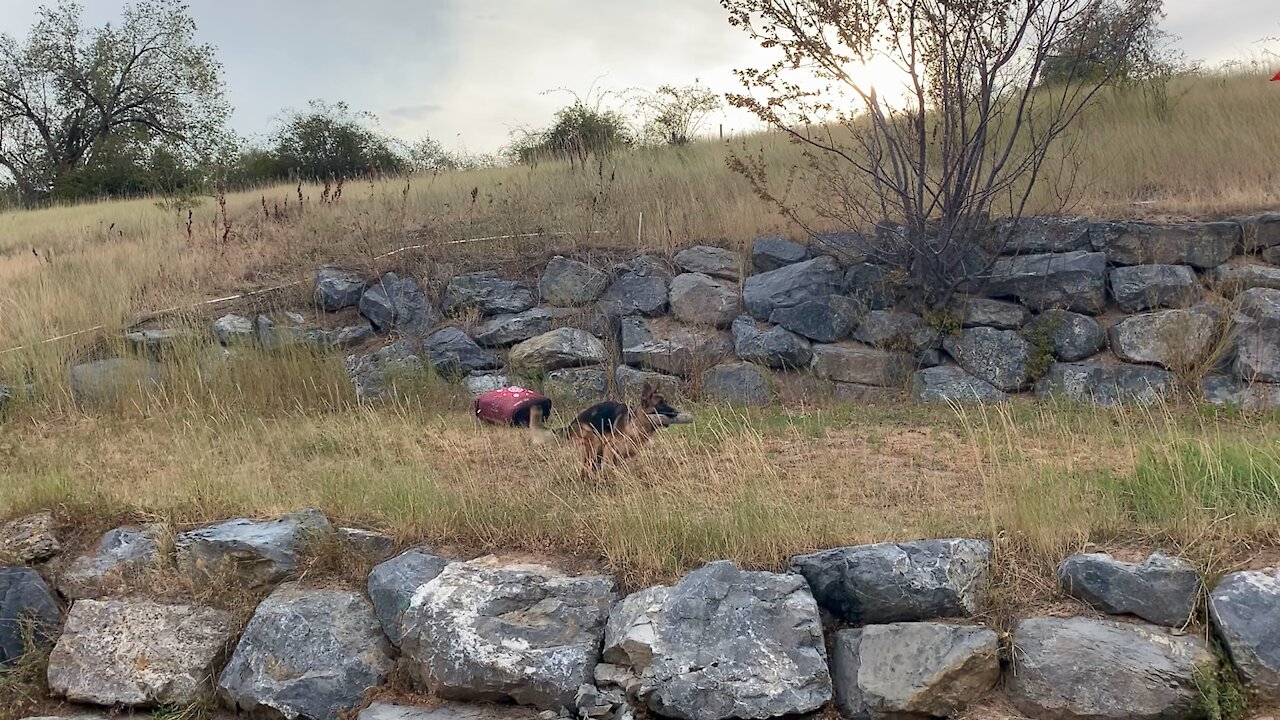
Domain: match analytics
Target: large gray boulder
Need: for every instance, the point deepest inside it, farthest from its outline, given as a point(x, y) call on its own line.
point(375, 375)
point(310, 654)
point(774, 347)
point(911, 670)
point(447, 711)
point(1259, 232)
point(452, 353)
point(1107, 384)
point(504, 330)
point(636, 295)
point(569, 283)
point(827, 319)
point(1258, 354)
point(713, 261)
point(254, 553)
point(1231, 280)
point(1079, 668)
point(336, 289)
point(27, 605)
point(481, 631)
point(670, 348)
point(791, 285)
point(1038, 234)
point(560, 348)
point(699, 299)
point(396, 303)
point(1244, 607)
point(1070, 281)
point(630, 382)
point(583, 385)
point(740, 383)
point(998, 314)
point(486, 293)
point(723, 643)
point(1202, 245)
point(138, 653)
point(1069, 336)
point(861, 365)
point(999, 357)
point(231, 329)
point(771, 253)
point(1162, 589)
point(646, 265)
point(950, 384)
point(1261, 305)
point(1168, 338)
point(110, 380)
point(875, 287)
point(121, 555)
point(1151, 287)
point(29, 539)
point(899, 582)
point(901, 331)
point(391, 586)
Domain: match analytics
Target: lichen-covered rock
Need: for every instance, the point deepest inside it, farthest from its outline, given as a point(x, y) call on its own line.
point(561, 348)
point(447, 711)
point(826, 319)
point(579, 385)
point(509, 329)
point(309, 654)
point(950, 384)
point(230, 329)
point(673, 349)
point(1038, 234)
point(369, 543)
point(901, 331)
point(636, 295)
point(713, 261)
point(1106, 384)
point(392, 584)
point(138, 653)
point(569, 283)
point(999, 357)
point(913, 669)
point(630, 382)
point(106, 381)
point(1069, 281)
point(1244, 607)
point(899, 582)
point(255, 553)
point(486, 293)
point(1069, 336)
point(396, 303)
point(771, 253)
point(480, 631)
point(998, 314)
point(1168, 338)
point(30, 539)
point(336, 289)
point(699, 299)
point(27, 605)
point(791, 285)
point(452, 353)
point(1151, 287)
point(1230, 391)
point(1231, 280)
point(723, 643)
point(1078, 669)
point(774, 347)
point(873, 286)
point(1202, 245)
point(861, 365)
point(740, 383)
point(375, 375)
point(122, 553)
point(1162, 590)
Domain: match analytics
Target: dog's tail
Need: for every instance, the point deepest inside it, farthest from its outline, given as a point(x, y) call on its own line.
point(541, 434)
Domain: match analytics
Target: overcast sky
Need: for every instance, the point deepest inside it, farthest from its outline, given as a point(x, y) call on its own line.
point(467, 72)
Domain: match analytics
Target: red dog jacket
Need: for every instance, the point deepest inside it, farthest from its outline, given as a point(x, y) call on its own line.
point(510, 406)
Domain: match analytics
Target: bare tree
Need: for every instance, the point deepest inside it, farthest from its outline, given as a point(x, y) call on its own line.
point(68, 88)
point(675, 115)
point(969, 135)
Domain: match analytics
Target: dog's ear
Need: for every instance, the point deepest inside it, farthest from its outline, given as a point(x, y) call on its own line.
point(646, 396)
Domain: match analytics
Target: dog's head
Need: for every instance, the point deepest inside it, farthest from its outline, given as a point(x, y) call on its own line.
point(655, 405)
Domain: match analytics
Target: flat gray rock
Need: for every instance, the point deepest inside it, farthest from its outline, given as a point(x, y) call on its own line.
point(913, 669)
point(376, 375)
point(681, 350)
point(950, 384)
point(1078, 669)
point(861, 365)
point(774, 346)
point(1259, 232)
point(482, 631)
point(309, 654)
point(447, 711)
point(723, 643)
point(900, 331)
point(1258, 353)
point(998, 314)
point(561, 348)
point(231, 329)
point(791, 285)
point(771, 253)
point(699, 299)
point(480, 383)
point(138, 653)
point(26, 605)
point(121, 555)
point(255, 553)
point(740, 383)
point(1231, 280)
point(110, 380)
point(1038, 234)
point(1244, 607)
point(1162, 590)
point(875, 287)
point(452, 353)
point(1107, 384)
point(1069, 281)
point(336, 288)
point(630, 382)
point(1151, 287)
point(707, 260)
point(1202, 245)
point(30, 539)
point(486, 293)
point(899, 582)
point(583, 386)
point(504, 330)
point(1230, 391)
point(392, 584)
point(395, 303)
point(1168, 338)
point(370, 543)
point(570, 283)
point(636, 295)
point(1070, 336)
point(826, 319)
point(999, 357)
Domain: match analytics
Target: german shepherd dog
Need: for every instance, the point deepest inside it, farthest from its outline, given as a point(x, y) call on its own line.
point(611, 431)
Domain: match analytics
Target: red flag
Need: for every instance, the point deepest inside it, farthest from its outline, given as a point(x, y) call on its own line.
point(1276, 78)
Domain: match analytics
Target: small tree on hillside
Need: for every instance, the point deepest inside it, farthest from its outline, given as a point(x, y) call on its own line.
point(581, 129)
point(331, 141)
point(969, 136)
point(69, 91)
point(1106, 45)
point(675, 115)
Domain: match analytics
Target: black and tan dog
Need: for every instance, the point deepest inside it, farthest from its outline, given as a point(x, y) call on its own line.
point(612, 431)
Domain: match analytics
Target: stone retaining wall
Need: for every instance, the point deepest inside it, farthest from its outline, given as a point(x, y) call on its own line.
point(891, 630)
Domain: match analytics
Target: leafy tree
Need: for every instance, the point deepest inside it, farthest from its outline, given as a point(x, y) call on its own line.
point(331, 141)
point(580, 130)
point(676, 114)
point(69, 92)
point(1107, 43)
point(967, 135)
